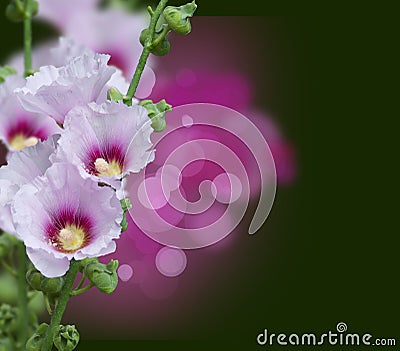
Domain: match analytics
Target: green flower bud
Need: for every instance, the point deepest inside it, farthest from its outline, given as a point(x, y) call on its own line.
point(8, 318)
point(33, 277)
point(157, 113)
point(36, 340)
point(161, 48)
point(6, 71)
point(15, 11)
point(178, 17)
point(104, 277)
point(51, 286)
point(66, 338)
point(35, 8)
point(114, 94)
point(159, 123)
point(87, 261)
point(143, 36)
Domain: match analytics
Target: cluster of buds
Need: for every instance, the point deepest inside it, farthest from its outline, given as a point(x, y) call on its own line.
point(66, 338)
point(8, 319)
point(51, 287)
point(176, 19)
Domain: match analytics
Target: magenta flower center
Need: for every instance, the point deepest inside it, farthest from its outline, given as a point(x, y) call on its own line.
point(23, 134)
point(68, 232)
point(107, 160)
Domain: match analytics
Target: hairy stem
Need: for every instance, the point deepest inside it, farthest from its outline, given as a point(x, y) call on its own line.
point(60, 306)
point(145, 53)
point(81, 291)
point(28, 38)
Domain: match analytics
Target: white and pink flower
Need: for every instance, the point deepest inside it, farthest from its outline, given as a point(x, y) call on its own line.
point(19, 128)
point(54, 91)
point(22, 168)
point(107, 141)
point(62, 216)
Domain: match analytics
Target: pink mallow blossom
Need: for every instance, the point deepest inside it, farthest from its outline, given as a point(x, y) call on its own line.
point(63, 216)
point(107, 141)
point(110, 31)
point(22, 167)
point(19, 128)
point(54, 91)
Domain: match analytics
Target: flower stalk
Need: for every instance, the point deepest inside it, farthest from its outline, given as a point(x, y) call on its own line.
point(155, 15)
point(60, 306)
point(23, 320)
point(28, 38)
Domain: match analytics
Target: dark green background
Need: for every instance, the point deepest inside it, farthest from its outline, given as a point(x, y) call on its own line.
point(337, 256)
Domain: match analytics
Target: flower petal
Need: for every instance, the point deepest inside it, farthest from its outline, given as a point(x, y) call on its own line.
point(47, 264)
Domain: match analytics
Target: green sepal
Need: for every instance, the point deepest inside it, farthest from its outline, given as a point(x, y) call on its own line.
point(6, 71)
point(126, 204)
point(34, 278)
point(124, 223)
point(163, 47)
point(178, 18)
point(15, 10)
point(156, 113)
point(66, 338)
point(114, 94)
point(87, 261)
point(51, 286)
point(143, 36)
point(36, 340)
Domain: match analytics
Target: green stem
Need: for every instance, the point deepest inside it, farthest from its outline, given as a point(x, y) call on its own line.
point(161, 36)
point(81, 282)
point(145, 53)
point(47, 304)
point(28, 38)
point(60, 306)
point(80, 291)
point(22, 295)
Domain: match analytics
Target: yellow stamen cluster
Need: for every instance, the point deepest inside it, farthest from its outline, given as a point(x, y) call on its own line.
point(20, 142)
point(107, 168)
point(71, 238)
